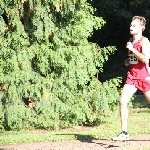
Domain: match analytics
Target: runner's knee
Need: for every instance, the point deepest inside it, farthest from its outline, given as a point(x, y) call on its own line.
point(123, 102)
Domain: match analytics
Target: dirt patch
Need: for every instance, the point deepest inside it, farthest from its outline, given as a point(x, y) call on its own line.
point(140, 141)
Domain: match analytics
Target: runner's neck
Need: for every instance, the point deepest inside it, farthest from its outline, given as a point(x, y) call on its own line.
point(136, 38)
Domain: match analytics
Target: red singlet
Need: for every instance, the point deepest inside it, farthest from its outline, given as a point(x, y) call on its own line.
point(138, 73)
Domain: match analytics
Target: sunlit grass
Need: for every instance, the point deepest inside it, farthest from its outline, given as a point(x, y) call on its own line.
point(139, 122)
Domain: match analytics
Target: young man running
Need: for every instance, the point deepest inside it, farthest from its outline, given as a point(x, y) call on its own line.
point(138, 75)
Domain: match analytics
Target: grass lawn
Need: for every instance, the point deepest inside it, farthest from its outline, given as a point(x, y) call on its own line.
point(139, 123)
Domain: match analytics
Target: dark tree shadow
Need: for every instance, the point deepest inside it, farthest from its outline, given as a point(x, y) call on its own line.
point(91, 139)
point(82, 138)
point(107, 145)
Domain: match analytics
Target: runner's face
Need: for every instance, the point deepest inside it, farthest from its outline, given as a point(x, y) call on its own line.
point(135, 27)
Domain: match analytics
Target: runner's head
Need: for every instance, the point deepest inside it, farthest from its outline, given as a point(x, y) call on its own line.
point(137, 25)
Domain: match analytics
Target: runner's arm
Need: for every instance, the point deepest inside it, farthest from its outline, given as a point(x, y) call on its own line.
point(145, 50)
point(145, 55)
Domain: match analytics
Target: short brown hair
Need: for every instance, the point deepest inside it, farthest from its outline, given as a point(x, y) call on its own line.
point(142, 21)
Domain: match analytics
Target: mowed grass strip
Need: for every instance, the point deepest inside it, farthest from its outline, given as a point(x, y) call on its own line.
point(138, 123)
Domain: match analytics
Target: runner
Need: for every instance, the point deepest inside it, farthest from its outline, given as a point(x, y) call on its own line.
point(138, 74)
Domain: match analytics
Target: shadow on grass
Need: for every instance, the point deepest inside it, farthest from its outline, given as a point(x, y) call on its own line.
point(82, 138)
point(106, 144)
point(89, 139)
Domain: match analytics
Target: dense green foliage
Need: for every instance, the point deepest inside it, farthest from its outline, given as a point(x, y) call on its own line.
point(58, 61)
point(46, 60)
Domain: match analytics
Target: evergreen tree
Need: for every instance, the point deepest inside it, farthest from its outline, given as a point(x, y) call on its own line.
point(48, 67)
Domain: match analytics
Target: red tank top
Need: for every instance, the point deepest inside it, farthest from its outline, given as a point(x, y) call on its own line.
point(137, 69)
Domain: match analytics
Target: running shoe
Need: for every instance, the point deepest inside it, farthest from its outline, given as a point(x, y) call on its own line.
point(121, 137)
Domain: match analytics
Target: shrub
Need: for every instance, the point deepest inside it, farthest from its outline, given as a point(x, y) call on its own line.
point(48, 64)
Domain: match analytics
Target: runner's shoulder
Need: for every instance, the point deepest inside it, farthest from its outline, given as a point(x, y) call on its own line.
point(145, 40)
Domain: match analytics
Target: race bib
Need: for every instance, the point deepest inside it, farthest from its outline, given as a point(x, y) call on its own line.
point(132, 59)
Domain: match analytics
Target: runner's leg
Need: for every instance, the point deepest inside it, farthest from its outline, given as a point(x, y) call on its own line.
point(147, 95)
point(127, 92)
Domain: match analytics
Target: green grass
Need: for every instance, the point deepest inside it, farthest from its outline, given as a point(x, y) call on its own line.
point(139, 123)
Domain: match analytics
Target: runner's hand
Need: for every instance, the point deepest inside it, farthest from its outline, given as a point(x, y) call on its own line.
point(129, 46)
